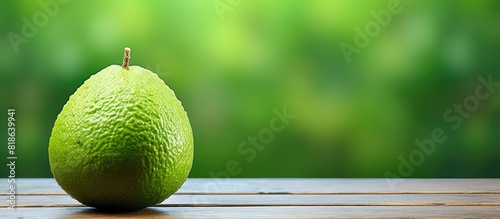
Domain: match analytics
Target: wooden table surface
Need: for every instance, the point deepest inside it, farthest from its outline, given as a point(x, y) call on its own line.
point(280, 198)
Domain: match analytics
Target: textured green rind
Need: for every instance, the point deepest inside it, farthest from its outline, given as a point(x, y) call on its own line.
point(122, 142)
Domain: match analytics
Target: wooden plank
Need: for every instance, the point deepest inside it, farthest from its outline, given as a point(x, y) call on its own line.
point(289, 200)
point(34, 186)
point(342, 186)
point(267, 212)
point(334, 200)
point(299, 186)
point(293, 198)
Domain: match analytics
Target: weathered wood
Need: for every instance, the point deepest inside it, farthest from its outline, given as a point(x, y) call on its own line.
point(300, 186)
point(284, 198)
point(289, 200)
point(267, 212)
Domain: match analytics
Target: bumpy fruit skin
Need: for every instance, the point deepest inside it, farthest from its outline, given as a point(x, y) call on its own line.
point(122, 142)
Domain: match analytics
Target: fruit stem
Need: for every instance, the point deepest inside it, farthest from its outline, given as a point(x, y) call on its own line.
point(126, 58)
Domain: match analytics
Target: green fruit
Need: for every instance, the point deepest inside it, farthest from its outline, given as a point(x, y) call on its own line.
point(123, 140)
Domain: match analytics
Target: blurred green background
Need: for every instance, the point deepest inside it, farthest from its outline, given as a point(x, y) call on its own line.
point(352, 119)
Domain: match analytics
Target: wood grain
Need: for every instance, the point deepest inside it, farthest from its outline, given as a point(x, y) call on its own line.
point(289, 200)
point(282, 198)
point(267, 212)
point(300, 186)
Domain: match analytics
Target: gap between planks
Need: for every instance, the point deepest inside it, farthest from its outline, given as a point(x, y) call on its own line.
point(297, 193)
point(266, 205)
